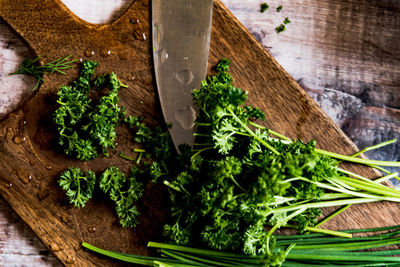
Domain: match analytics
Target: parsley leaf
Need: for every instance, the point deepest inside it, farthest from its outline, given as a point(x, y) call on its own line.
point(125, 192)
point(78, 186)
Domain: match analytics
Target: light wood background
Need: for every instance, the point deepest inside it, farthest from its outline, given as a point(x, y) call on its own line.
point(345, 54)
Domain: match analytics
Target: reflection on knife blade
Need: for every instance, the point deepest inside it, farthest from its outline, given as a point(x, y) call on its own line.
point(181, 36)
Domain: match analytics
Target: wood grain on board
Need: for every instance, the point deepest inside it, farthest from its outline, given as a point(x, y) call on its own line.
point(62, 227)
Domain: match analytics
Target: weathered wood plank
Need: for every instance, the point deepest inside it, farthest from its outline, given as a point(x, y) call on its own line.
point(18, 244)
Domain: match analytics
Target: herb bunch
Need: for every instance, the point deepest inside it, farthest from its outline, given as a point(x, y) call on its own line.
point(242, 177)
point(87, 127)
point(241, 181)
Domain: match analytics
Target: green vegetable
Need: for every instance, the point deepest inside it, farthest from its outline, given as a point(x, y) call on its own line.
point(293, 250)
point(241, 177)
point(31, 66)
point(86, 127)
point(156, 142)
point(78, 186)
point(279, 8)
point(280, 28)
point(125, 192)
point(264, 7)
point(286, 21)
point(243, 181)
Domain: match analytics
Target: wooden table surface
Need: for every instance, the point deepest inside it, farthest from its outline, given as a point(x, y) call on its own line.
point(344, 53)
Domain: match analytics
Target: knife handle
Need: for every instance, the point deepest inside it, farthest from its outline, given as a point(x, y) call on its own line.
point(52, 30)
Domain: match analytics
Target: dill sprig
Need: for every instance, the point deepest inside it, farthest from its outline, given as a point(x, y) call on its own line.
point(32, 66)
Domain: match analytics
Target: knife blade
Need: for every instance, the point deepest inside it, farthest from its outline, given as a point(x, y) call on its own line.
point(181, 40)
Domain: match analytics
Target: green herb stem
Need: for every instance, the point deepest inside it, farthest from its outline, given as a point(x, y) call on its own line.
point(280, 136)
point(126, 157)
point(322, 204)
point(281, 223)
point(386, 177)
point(359, 160)
point(337, 212)
point(374, 147)
point(273, 150)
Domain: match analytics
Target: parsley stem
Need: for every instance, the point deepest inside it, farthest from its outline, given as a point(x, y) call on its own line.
point(379, 180)
point(353, 174)
point(383, 170)
point(329, 196)
point(199, 151)
point(372, 187)
point(389, 196)
point(386, 177)
point(322, 204)
point(351, 158)
point(359, 160)
point(351, 245)
point(201, 135)
point(172, 186)
point(337, 212)
point(203, 124)
point(374, 147)
point(315, 229)
point(251, 132)
point(281, 223)
point(281, 136)
point(126, 157)
point(139, 157)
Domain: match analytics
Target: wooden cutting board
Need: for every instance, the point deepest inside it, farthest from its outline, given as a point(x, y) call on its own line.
point(29, 166)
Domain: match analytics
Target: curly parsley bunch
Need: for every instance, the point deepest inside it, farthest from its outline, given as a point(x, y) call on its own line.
point(242, 177)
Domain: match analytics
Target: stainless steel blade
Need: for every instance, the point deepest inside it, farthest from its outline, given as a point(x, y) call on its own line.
point(181, 41)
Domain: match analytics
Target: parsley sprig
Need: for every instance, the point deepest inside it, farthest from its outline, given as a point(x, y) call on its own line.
point(123, 191)
point(78, 186)
point(87, 127)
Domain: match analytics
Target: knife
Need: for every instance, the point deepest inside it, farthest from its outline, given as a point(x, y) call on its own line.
point(181, 40)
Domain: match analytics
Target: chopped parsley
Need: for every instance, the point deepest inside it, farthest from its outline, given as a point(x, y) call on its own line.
point(86, 126)
point(264, 7)
point(280, 28)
